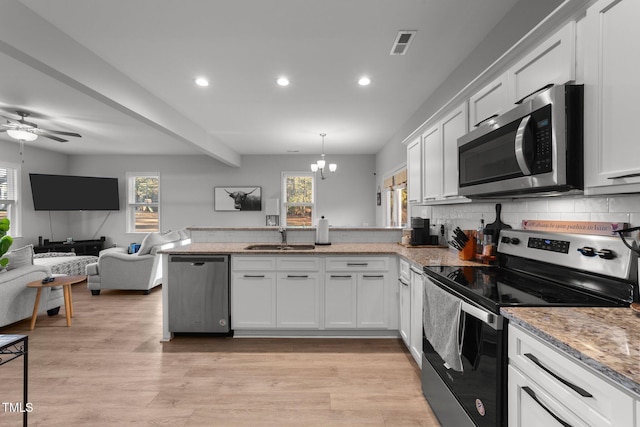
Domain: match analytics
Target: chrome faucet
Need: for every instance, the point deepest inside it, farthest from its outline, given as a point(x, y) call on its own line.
point(283, 232)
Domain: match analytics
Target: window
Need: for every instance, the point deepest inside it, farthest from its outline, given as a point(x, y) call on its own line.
point(143, 206)
point(298, 189)
point(396, 200)
point(10, 195)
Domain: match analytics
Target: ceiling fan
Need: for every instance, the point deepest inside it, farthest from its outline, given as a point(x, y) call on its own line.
point(23, 130)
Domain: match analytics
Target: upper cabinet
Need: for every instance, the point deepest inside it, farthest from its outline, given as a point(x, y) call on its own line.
point(432, 164)
point(553, 61)
point(453, 126)
point(611, 94)
point(414, 170)
point(490, 101)
point(440, 157)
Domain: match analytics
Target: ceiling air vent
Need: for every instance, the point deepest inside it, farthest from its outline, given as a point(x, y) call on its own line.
point(401, 44)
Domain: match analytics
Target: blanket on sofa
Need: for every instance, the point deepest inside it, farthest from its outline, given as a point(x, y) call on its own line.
point(65, 262)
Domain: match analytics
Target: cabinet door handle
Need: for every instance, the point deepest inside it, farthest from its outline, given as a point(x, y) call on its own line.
point(532, 394)
point(404, 282)
point(357, 264)
point(582, 392)
point(485, 120)
point(301, 276)
point(631, 175)
point(335, 276)
point(520, 101)
point(254, 276)
point(372, 276)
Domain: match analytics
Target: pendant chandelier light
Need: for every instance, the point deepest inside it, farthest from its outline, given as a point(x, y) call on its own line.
point(320, 164)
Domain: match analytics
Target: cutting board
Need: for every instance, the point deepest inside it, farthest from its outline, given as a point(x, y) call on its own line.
point(494, 228)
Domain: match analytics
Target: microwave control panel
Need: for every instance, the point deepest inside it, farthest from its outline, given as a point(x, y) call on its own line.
point(542, 160)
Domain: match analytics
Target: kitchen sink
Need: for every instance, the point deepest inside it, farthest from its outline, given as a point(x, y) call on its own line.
point(280, 247)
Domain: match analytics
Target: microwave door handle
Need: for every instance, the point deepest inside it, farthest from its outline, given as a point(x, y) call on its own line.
point(519, 146)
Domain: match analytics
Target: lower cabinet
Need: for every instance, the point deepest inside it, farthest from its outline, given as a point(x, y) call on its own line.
point(547, 387)
point(371, 307)
point(340, 303)
point(298, 300)
point(291, 292)
point(253, 300)
point(417, 296)
point(405, 311)
point(359, 293)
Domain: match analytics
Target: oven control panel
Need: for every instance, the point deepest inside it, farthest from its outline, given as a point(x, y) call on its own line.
point(606, 255)
point(561, 246)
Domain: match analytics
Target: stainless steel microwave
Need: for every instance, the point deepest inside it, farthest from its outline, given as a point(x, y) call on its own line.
point(536, 147)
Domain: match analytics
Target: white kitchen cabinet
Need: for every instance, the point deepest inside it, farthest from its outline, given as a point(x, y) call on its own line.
point(611, 93)
point(359, 293)
point(253, 300)
point(414, 171)
point(562, 385)
point(552, 61)
point(405, 311)
point(531, 406)
point(492, 100)
point(269, 292)
point(340, 301)
point(417, 297)
point(431, 164)
point(371, 307)
point(298, 300)
point(453, 126)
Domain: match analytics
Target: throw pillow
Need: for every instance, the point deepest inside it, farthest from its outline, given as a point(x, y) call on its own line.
point(20, 257)
point(149, 241)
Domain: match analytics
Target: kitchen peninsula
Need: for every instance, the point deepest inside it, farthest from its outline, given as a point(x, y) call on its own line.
point(337, 272)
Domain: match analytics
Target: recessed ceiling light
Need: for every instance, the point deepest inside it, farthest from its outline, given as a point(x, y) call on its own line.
point(202, 82)
point(283, 81)
point(364, 81)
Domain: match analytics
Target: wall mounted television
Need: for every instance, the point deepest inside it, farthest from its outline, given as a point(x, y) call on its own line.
point(74, 193)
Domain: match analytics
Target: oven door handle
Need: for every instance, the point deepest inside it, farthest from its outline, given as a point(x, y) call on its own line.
point(482, 315)
point(519, 147)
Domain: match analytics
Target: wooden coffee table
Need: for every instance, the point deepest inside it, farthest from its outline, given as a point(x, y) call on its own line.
point(65, 282)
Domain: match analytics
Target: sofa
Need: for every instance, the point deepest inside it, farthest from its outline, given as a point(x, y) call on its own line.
point(16, 299)
point(141, 271)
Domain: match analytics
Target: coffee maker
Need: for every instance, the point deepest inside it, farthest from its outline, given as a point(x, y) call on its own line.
point(419, 231)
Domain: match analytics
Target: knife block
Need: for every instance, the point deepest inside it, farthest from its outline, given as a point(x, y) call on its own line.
point(468, 253)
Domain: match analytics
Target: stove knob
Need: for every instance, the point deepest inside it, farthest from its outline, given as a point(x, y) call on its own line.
point(587, 251)
point(606, 254)
point(515, 240)
point(505, 239)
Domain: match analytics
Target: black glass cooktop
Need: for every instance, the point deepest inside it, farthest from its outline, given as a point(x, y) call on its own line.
point(494, 287)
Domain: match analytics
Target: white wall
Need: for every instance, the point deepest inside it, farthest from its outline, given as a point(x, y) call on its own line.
point(517, 22)
point(36, 224)
point(346, 198)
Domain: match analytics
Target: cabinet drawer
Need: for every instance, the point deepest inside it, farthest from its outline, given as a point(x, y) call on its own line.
point(253, 263)
point(294, 263)
point(357, 264)
point(579, 388)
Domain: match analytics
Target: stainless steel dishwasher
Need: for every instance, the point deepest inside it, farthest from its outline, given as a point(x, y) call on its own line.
point(199, 294)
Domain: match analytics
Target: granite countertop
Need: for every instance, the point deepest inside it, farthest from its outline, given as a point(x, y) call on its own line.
point(418, 255)
point(606, 339)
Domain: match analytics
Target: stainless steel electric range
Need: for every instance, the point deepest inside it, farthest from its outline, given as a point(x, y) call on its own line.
point(536, 269)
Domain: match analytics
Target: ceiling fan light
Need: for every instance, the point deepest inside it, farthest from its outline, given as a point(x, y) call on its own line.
point(22, 135)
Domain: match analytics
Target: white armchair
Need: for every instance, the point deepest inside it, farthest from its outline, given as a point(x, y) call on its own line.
point(116, 269)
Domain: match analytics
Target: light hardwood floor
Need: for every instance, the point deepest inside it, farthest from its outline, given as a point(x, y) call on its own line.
point(110, 369)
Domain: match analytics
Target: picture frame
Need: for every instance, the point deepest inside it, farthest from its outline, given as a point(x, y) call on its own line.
point(237, 199)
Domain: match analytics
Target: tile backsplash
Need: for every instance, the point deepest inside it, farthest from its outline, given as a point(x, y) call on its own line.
point(619, 208)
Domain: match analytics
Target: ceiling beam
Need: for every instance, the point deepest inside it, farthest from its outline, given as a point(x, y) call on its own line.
point(22, 33)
